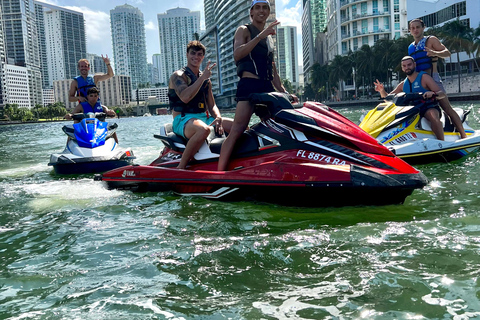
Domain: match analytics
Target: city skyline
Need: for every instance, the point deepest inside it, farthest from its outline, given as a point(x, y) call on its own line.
point(97, 19)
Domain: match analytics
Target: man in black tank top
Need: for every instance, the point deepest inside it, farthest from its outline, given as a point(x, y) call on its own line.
point(192, 102)
point(253, 54)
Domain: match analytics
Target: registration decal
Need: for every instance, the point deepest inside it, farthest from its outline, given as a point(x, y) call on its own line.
point(320, 157)
point(404, 138)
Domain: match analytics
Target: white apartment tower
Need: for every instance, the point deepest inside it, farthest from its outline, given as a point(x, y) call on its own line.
point(129, 43)
point(21, 42)
point(176, 28)
point(62, 41)
point(287, 56)
point(352, 24)
point(222, 17)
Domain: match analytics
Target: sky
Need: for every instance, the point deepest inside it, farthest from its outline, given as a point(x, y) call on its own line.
point(97, 19)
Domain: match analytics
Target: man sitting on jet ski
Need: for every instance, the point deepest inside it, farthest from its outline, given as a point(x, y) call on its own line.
point(419, 82)
point(192, 102)
point(92, 105)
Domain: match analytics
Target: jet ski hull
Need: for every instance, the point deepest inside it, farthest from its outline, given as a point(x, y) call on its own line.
point(68, 166)
point(284, 183)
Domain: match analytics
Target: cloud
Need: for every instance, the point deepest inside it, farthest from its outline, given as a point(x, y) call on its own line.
point(291, 16)
point(97, 28)
point(150, 26)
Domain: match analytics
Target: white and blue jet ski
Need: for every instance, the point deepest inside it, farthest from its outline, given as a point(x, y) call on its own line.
point(91, 147)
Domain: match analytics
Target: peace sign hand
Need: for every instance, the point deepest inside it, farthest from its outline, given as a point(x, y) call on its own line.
point(208, 70)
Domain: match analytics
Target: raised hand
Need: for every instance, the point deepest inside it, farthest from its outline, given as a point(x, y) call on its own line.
point(270, 30)
point(378, 86)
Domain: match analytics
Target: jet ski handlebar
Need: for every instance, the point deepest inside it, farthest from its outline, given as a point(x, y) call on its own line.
point(408, 99)
point(99, 115)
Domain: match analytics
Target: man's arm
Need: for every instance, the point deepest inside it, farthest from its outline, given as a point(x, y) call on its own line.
point(430, 84)
point(108, 111)
point(78, 109)
point(185, 92)
point(72, 97)
point(105, 76)
point(435, 48)
point(381, 89)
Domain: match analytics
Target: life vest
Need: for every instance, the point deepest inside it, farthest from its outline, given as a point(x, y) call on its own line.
point(88, 108)
point(416, 85)
point(419, 54)
point(197, 103)
point(259, 60)
point(83, 85)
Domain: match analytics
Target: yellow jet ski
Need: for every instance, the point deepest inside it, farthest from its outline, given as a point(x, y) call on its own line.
point(397, 124)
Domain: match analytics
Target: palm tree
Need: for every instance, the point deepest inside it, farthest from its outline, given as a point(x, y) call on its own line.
point(456, 37)
point(339, 69)
point(319, 76)
point(365, 63)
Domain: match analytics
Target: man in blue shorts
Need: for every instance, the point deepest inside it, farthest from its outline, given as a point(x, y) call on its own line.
point(192, 103)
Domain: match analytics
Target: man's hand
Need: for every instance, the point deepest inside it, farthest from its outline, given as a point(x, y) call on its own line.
point(106, 59)
point(208, 70)
point(68, 116)
point(378, 86)
point(217, 123)
point(270, 30)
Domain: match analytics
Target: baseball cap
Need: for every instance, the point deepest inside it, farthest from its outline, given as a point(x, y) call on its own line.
point(254, 2)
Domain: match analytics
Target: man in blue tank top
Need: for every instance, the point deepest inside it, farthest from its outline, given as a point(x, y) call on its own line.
point(426, 51)
point(419, 82)
point(80, 84)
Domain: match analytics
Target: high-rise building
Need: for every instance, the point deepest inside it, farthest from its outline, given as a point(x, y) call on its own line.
point(314, 23)
point(21, 42)
point(352, 24)
point(2, 62)
point(157, 64)
point(62, 41)
point(287, 55)
point(222, 17)
point(176, 28)
point(129, 44)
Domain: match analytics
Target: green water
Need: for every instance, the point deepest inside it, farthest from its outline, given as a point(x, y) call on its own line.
point(70, 249)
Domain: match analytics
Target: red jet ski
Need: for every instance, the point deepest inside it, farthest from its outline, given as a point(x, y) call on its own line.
point(305, 156)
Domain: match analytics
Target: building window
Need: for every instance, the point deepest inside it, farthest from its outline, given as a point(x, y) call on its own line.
point(375, 7)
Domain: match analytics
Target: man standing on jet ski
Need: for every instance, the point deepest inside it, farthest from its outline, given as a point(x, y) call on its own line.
point(425, 52)
point(253, 53)
point(193, 104)
point(80, 84)
point(92, 105)
point(419, 82)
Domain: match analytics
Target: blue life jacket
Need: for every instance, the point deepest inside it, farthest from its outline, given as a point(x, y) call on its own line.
point(419, 54)
point(88, 108)
point(84, 84)
point(416, 85)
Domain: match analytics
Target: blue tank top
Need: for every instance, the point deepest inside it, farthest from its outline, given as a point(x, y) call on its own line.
point(415, 86)
point(84, 84)
point(88, 108)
